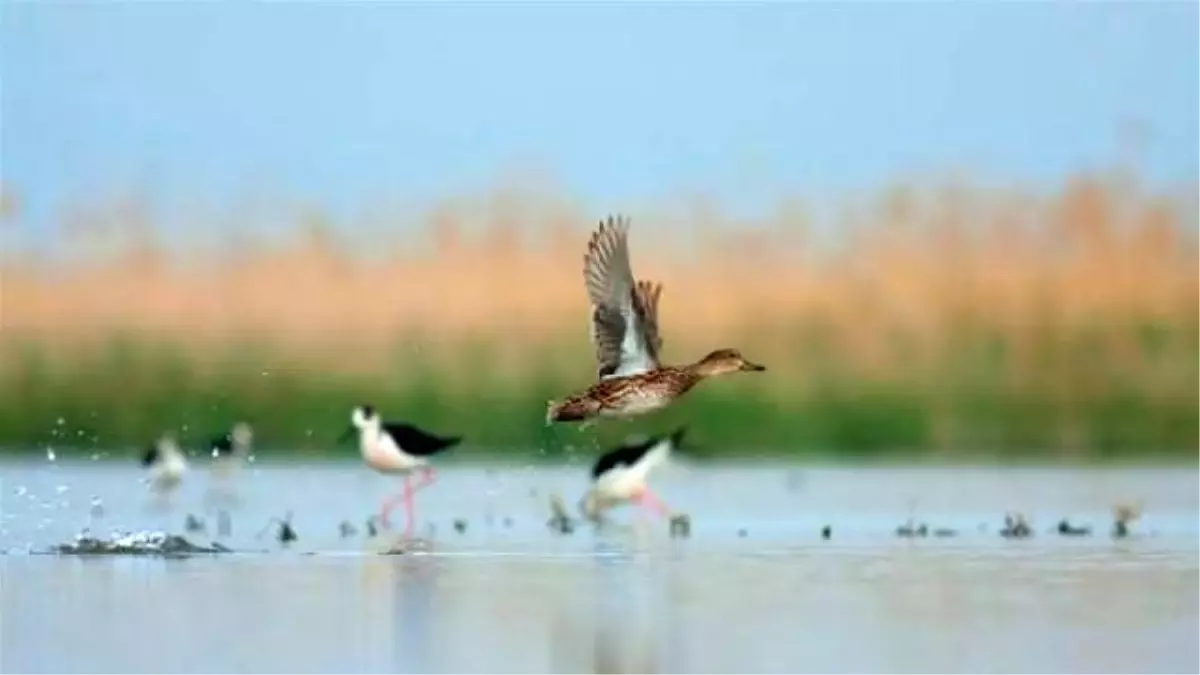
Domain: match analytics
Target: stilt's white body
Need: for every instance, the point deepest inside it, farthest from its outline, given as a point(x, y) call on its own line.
point(167, 472)
point(624, 483)
point(242, 438)
point(379, 449)
point(225, 467)
point(382, 452)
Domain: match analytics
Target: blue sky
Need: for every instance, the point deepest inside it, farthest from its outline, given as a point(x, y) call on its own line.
point(343, 103)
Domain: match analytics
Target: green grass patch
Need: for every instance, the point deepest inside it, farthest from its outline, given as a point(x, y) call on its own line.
point(979, 399)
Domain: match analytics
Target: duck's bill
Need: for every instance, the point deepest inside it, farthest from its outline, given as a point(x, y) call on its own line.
point(753, 367)
point(346, 435)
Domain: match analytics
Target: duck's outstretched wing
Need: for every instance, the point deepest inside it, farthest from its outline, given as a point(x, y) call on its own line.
point(624, 326)
point(646, 303)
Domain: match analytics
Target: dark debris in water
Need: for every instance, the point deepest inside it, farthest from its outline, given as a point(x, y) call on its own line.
point(911, 530)
point(681, 526)
point(1123, 516)
point(285, 533)
point(914, 530)
point(405, 546)
point(1016, 527)
point(560, 520)
point(224, 524)
point(1066, 529)
point(137, 543)
point(193, 524)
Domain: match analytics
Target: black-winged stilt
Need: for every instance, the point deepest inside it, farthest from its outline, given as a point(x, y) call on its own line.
point(229, 451)
point(166, 464)
point(397, 449)
point(233, 445)
point(620, 476)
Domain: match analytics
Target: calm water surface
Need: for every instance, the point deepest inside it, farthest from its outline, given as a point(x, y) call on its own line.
point(755, 589)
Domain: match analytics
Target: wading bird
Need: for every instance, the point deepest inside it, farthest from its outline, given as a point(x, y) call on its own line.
point(165, 463)
point(620, 476)
point(624, 330)
point(395, 448)
point(234, 446)
point(229, 452)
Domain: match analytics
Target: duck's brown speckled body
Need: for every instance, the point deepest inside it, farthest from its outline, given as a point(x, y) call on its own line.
point(624, 329)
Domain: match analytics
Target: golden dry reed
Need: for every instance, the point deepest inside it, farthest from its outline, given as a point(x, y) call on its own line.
point(947, 318)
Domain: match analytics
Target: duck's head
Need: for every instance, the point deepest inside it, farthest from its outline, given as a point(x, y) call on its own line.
point(724, 361)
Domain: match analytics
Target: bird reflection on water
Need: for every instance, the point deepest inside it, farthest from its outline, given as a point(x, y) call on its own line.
point(613, 624)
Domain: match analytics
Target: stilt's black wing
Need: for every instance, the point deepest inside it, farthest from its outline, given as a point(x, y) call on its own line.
point(417, 442)
point(630, 453)
point(223, 444)
point(150, 455)
point(625, 455)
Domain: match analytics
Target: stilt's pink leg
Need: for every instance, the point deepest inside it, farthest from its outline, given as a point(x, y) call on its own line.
point(647, 499)
point(387, 505)
point(391, 502)
point(428, 477)
point(408, 506)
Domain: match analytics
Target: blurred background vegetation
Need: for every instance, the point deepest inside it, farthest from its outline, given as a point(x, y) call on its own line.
point(944, 320)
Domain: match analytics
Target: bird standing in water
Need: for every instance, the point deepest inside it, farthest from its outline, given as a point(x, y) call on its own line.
point(620, 476)
point(166, 465)
point(397, 449)
point(233, 446)
point(624, 329)
point(230, 451)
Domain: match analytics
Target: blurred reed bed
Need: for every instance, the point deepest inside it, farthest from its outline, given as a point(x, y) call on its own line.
point(946, 320)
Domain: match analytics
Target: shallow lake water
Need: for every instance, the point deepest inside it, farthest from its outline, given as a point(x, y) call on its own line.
point(753, 589)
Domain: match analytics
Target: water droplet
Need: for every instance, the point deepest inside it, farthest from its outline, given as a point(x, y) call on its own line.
point(95, 456)
point(265, 373)
point(61, 489)
point(61, 421)
point(50, 454)
point(21, 490)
